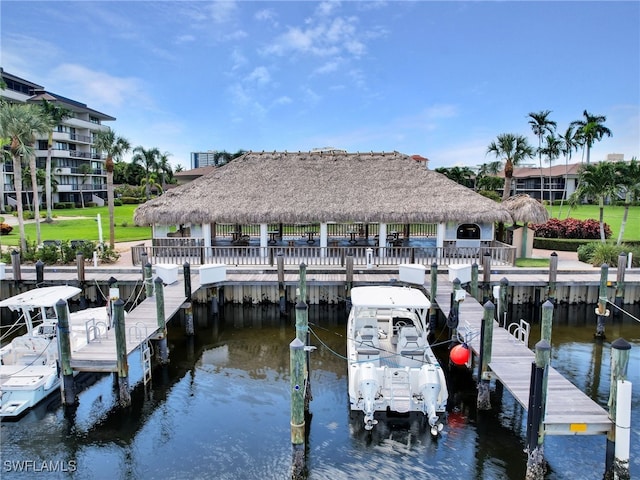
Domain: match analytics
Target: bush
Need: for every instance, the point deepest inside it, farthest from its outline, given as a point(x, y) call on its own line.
point(571, 228)
point(492, 194)
point(117, 202)
point(91, 204)
point(597, 253)
point(5, 229)
point(130, 200)
point(63, 205)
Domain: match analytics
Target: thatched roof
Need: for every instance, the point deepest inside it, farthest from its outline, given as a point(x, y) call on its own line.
point(320, 187)
point(524, 209)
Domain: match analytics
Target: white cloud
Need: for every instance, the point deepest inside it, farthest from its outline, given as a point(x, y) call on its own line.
point(98, 89)
point(185, 39)
point(222, 11)
point(267, 15)
point(259, 75)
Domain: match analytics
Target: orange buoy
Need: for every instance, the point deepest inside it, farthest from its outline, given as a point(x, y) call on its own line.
point(460, 354)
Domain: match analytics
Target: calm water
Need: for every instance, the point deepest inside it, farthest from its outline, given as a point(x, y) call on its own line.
point(221, 410)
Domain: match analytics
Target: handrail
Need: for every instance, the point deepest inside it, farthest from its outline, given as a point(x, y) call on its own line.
point(198, 254)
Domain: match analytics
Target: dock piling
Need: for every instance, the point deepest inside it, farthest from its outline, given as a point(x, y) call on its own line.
point(486, 341)
point(186, 273)
point(620, 350)
point(474, 280)
point(486, 277)
point(148, 282)
point(536, 467)
point(163, 349)
point(553, 277)
point(433, 291)
point(80, 267)
point(121, 347)
point(349, 275)
point(15, 266)
point(39, 273)
point(188, 319)
point(67, 385)
point(619, 299)
point(502, 302)
point(602, 312)
point(298, 424)
point(282, 292)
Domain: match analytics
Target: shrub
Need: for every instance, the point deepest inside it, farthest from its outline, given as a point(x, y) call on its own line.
point(117, 202)
point(597, 253)
point(107, 254)
point(571, 228)
point(130, 200)
point(91, 204)
point(5, 229)
point(492, 194)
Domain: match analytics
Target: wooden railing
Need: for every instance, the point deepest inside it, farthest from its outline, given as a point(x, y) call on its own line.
point(196, 254)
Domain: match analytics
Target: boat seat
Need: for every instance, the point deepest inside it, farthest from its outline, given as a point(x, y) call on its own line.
point(367, 337)
point(410, 346)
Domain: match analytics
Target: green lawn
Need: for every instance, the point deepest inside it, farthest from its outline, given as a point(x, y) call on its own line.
point(82, 228)
point(126, 231)
point(612, 217)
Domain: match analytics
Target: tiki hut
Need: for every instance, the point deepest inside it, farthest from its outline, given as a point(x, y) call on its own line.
point(321, 186)
point(526, 210)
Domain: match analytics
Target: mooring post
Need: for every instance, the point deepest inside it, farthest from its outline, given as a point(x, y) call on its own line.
point(619, 300)
point(349, 276)
point(121, 348)
point(502, 303)
point(144, 259)
point(67, 385)
point(303, 283)
point(302, 334)
point(454, 314)
point(546, 325)
point(601, 312)
point(163, 350)
point(486, 277)
point(282, 291)
point(39, 273)
point(433, 291)
point(15, 266)
point(188, 319)
point(486, 342)
point(535, 415)
point(186, 273)
point(553, 277)
point(215, 304)
point(80, 267)
point(297, 375)
point(474, 280)
point(148, 282)
point(620, 350)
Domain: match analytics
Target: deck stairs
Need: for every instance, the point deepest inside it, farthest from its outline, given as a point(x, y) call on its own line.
point(400, 392)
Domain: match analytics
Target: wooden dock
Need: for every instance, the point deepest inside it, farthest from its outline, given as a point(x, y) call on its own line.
point(141, 325)
point(568, 410)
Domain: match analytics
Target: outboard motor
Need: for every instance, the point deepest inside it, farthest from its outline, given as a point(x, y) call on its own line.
point(430, 392)
point(368, 388)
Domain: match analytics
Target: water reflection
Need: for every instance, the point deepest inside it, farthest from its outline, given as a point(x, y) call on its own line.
point(220, 409)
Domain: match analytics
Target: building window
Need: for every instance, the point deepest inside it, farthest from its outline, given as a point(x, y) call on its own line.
point(93, 119)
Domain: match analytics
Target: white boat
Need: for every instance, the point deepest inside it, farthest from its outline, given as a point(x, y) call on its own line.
point(29, 367)
point(391, 365)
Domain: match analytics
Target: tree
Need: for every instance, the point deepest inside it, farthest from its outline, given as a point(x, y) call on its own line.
point(590, 129)
point(20, 123)
point(163, 167)
point(85, 170)
point(512, 149)
point(540, 124)
point(569, 143)
point(598, 181)
point(629, 181)
point(149, 161)
point(461, 175)
point(551, 149)
point(114, 147)
point(53, 115)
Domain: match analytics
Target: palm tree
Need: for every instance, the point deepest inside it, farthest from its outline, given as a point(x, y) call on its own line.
point(163, 167)
point(54, 115)
point(85, 169)
point(148, 159)
point(591, 129)
point(629, 181)
point(598, 181)
point(113, 146)
point(512, 149)
point(20, 123)
point(540, 124)
point(569, 143)
point(552, 147)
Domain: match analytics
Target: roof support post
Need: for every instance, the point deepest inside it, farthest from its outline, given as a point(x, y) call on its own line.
point(323, 239)
point(264, 238)
point(382, 239)
point(442, 228)
point(206, 233)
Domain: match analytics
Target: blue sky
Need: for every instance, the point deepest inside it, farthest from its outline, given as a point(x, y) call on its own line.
point(439, 79)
